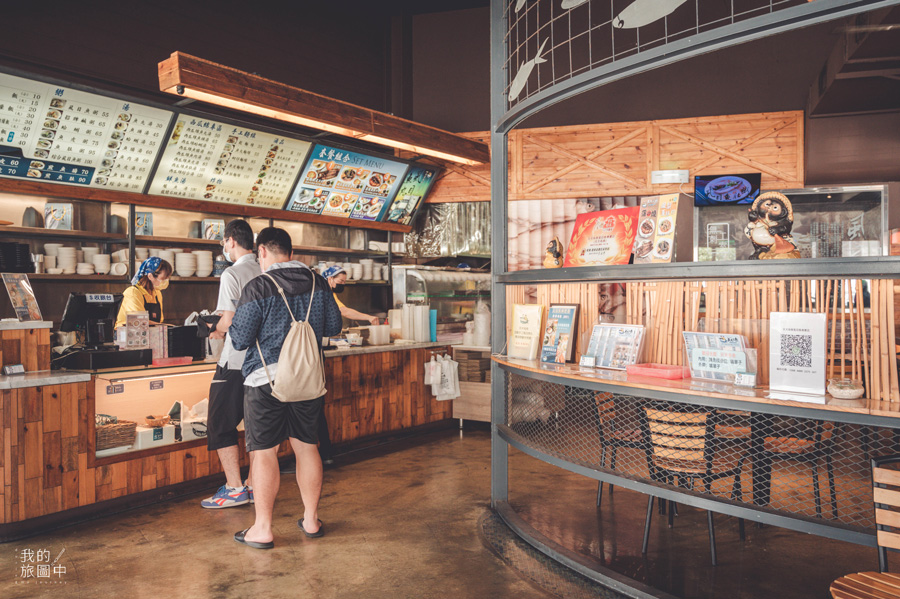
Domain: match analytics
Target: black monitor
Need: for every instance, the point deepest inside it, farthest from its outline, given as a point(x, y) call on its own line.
point(94, 314)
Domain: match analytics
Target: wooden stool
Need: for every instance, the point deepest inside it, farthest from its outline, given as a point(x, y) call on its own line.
point(866, 585)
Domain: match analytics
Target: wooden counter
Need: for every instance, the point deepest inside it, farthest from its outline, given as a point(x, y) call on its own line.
point(51, 476)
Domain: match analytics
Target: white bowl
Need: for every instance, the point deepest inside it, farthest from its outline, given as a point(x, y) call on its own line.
point(52, 249)
point(185, 272)
point(204, 272)
point(54, 271)
point(119, 269)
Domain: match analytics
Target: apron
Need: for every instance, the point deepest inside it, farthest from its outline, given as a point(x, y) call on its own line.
point(154, 310)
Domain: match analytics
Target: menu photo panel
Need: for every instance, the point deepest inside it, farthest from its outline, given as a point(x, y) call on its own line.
point(345, 183)
point(61, 135)
point(411, 194)
point(219, 162)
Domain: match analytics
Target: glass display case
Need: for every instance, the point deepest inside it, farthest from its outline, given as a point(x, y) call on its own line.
point(829, 222)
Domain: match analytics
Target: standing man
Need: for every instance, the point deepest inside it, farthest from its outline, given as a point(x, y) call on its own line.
point(261, 323)
point(337, 277)
point(226, 393)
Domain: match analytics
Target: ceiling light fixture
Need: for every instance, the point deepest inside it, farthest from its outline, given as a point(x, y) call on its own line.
point(192, 77)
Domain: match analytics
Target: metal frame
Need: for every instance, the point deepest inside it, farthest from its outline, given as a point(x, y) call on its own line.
point(503, 120)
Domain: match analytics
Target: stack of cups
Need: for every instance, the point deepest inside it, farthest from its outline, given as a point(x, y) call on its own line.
point(357, 272)
point(66, 260)
point(154, 252)
point(84, 268)
point(101, 263)
point(141, 253)
point(367, 268)
point(52, 249)
point(185, 264)
point(204, 263)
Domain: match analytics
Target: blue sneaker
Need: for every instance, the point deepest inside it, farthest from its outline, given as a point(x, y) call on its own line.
point(250, 492)
point(227, 497)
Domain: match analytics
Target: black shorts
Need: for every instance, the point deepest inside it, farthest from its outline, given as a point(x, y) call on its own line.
point(226, 408)
point(269, 421)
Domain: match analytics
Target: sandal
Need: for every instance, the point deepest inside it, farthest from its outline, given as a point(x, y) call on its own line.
point(312, 535)
point(239, 537)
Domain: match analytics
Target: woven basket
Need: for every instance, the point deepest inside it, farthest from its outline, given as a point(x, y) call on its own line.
point(154, 421)
point(115, 435)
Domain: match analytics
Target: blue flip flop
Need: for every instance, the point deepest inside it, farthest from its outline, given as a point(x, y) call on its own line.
point(239, 537)
point(312, 535)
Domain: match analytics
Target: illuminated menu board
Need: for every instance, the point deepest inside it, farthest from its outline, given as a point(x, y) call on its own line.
point(338, 182)
point(411, 193)
point(62, 135)
point(218, 162)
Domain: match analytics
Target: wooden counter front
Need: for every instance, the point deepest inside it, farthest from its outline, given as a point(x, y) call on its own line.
point(50, 476)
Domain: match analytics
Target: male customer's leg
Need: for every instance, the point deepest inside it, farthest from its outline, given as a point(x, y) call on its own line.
point(265, 427)
point(303, 426)
point(226, 410)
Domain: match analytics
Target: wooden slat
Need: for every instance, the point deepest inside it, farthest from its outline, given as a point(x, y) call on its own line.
point(677, 417)
point(888, 539)
point(887, 518)
point(885, 476)
point(886, 496)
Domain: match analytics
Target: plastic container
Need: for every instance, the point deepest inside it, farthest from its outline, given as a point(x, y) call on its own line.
point(660, 371)
point(846, 388)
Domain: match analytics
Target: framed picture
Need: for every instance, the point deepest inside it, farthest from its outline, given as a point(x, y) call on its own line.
point(22, 297)
point(560, 333)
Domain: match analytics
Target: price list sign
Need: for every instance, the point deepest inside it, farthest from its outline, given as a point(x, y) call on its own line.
point(218, 162)
point(337, 182)
point(67, 136)
point(412, 192)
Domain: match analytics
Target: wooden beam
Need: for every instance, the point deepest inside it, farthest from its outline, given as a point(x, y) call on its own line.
point(192, 73)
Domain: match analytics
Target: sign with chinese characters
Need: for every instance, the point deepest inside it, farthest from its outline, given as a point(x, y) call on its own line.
point(337, 182)
point(797, 352)
point(61, 135)
point(718, 360)
point(39, 566)
point(603, 238)
point(416, 185)
point(218, 162)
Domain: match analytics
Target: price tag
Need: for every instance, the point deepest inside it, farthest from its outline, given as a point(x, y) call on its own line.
point(113, 389)
point(745, 379)
point(13, 369)
point(156, 385)
point(99, 298)
point(589, 361)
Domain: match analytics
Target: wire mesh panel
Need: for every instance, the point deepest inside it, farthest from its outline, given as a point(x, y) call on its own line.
point(549, 41)
point(800, 466)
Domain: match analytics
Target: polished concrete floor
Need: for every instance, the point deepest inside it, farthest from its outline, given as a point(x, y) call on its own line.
point(409, 521)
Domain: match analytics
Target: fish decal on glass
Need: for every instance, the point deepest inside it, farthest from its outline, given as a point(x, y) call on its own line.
point(644, 12)
point(521, 78)
point(567, 4)
point(519, 5)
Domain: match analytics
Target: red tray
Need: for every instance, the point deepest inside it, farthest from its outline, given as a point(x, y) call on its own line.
point(660, 371)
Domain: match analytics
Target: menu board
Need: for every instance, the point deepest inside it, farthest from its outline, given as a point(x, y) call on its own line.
point(218, 162)
point(67, 136)
point(338, 182)
point(418, 182)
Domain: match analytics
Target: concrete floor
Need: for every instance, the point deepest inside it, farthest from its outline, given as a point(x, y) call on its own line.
point(403, 521)
point(401, 524)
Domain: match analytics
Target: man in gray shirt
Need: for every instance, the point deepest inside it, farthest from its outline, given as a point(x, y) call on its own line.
point(226, 393)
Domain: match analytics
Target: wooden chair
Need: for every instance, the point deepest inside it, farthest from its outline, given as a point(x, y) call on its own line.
point(808, 449)
point(684, 449)
point(613, 435)
point(886, 496)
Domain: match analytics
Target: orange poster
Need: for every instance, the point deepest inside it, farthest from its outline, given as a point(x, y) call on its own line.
point(605, 237)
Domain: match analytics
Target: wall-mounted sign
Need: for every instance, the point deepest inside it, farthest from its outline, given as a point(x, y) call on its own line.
point(214, 161)
point(411, 194)
point(338, 182)
point(61, 135)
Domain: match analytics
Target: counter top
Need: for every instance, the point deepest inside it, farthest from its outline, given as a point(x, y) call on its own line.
point(40, 378)
point(375, 349)
point(15, 325)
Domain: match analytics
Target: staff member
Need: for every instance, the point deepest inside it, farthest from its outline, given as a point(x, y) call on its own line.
point(145, 293)
point(336, 277)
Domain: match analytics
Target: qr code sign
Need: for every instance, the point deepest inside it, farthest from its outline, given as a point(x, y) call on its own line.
point(796, 351)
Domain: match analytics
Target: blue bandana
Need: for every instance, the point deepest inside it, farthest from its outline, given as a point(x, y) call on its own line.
point(150, 265)
point(332, 271)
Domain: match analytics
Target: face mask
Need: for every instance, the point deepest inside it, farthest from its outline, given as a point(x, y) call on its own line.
point(339, 287)
point(162, 284)
point(225, 253)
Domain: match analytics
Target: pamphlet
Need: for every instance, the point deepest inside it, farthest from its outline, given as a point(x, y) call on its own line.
point(525, 341)
point(797, 352)
point(603, 238)
point(614, 346)
point(559, 333)
point(716, 356)
point(22, 297)
point(58, 216)
point(143, 223)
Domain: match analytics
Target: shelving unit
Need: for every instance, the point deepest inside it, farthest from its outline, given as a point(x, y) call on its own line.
point(40, 233)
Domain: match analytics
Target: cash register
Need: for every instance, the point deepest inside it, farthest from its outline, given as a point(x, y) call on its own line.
point(94, 316)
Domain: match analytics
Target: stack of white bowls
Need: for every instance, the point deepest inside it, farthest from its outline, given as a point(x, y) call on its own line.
point(52, 249)
point(66, 260)
point(356, 272)
point(141, 253)
point(367, 264)
point(204, 262)
point(84, 268)
point(168, 256)
point(88, 254)
point(101, 263)
point(185, 264)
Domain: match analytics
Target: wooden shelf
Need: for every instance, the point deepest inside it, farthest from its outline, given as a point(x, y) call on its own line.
point(77, 278)
point(327, 251)
point(64, 234)
point(373, 282)
point(177, 279)
point(174, 241)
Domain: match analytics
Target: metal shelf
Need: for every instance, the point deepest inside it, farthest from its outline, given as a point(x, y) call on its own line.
point(327, 251)
point(875, 267)
point(38, 232)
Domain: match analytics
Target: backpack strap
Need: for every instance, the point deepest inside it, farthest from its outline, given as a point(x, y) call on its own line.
point(281, 291)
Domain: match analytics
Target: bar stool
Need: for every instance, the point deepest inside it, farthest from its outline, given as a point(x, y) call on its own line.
point(613, 435)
